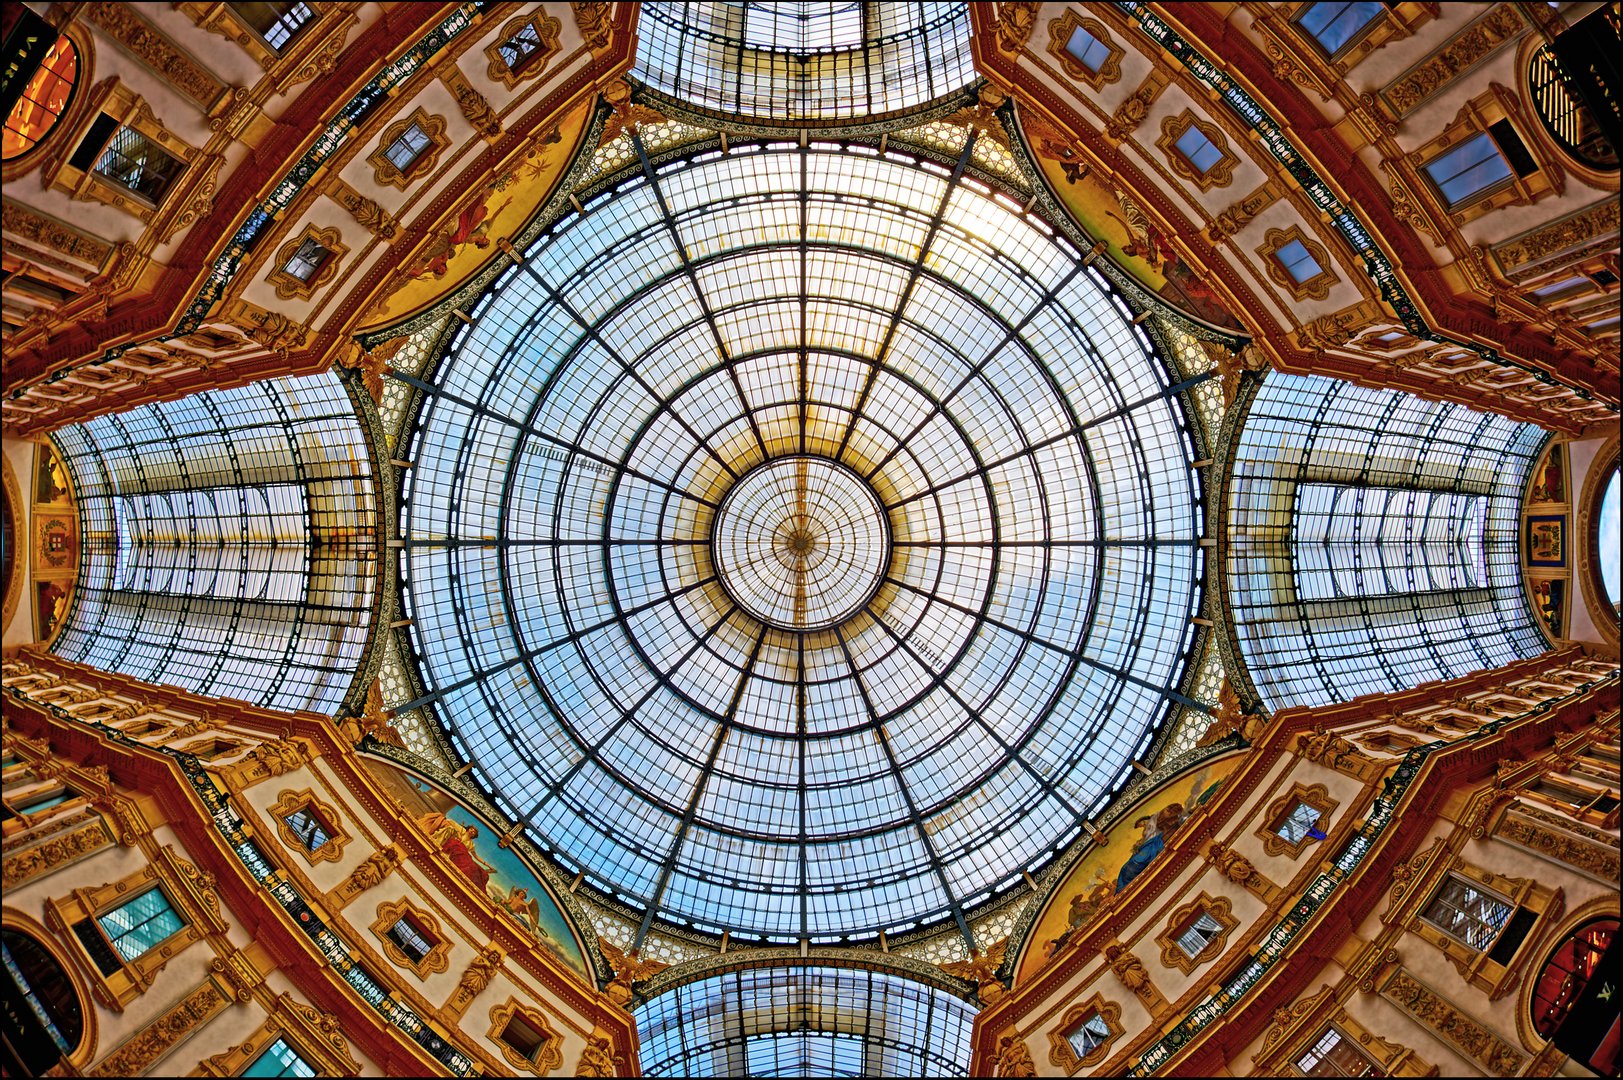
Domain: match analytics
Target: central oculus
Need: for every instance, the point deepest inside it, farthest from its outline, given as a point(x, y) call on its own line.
point(801, 543)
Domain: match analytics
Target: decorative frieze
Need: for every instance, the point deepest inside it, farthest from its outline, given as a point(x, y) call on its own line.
point(150, 46)
point(1550, 836)
point(56, 852)
point(152, 1042)
point(1574, 230)
point(28, 224)
point(1457, 55)
point(1453, 1025)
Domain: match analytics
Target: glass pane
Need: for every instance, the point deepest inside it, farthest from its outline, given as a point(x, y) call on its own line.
point(279, 1059)
point(1298, 823)
point(1469, 169)
point(1198, 149)
point(134, 161)
point(1088, 50)
point(141, 923)
point(1466, 913)
point(1333, 25)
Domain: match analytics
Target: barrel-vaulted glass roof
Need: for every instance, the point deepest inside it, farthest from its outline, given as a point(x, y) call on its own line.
point(802, 540)
point(799, 62)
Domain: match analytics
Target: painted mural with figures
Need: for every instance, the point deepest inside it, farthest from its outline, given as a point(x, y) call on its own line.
point(470, 845)
point(1118, 856)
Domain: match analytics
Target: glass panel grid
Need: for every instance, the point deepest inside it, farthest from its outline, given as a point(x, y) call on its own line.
point(804, 61)
point(227, 543)
point(140, 923)
point(790, 775)
point(1374, 541)
point(805, 1021)
point(135, 162)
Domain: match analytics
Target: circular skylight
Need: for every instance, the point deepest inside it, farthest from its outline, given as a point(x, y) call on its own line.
point(802, 541)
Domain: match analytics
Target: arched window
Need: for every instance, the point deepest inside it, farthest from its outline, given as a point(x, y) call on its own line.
point(44, 97)
point(50, 1022)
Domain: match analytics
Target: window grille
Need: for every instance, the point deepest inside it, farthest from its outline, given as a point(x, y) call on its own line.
point(135, 162)
point(140, 924)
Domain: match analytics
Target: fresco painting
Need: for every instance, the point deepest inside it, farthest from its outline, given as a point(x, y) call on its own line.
point(1123, 853)
point(470, 846)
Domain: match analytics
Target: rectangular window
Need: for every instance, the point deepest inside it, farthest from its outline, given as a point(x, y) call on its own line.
point(311, 831)
point(1334, 1055)
point(1298, 262)
point(518, 49)
point(1198, 150)
point(1357, 541)
point(406, 149)
point(279, 1059)
point(1199, 934)
point(1472, 168)
point(139, 924)
point(1089, 1035)
point(1088, 50)
point(411, 939)
point(135, 162)
point(1336, 25)
point(1297, 825)
point(1466, 913)
point(307, 261)
point(523, 1038)
point(48, 802)
point(277, 23)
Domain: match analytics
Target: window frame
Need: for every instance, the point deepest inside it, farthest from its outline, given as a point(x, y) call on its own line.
point(548, 1056)
point(290, 802)
point(386, 172)
point(1220, 173)
point(1062, 1053)
point(1493, 977)
point(292, 38)
point(1060, 32)
point(290, 286)
point(1364, 30)
point(1316, 287)
point(436, 959)
point(1342, 1039)
point(547, 31)
point(1174, 955)
point(1316, 796)
point(1477, 117)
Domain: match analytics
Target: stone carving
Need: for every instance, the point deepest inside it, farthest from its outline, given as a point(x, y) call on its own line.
point(1131, 112)
point(1574, 229)
point(1475, 1041)
point(1237, 217)
point(140, 1053)
point(1230, 718)
point(1597, 862)
point(1128, 968)
point(372, 364)
point(122, 23)
point(28, 225)
point(1328, 748)
point(981, 969)
point(30, 864)
point(279, 756)
point(592, 20)
point(276, 332)
point(481, 970)
point(1232, 865)
point(1458, 54)
point(628, 968)
point(374, 721)
point(372, 217)
point(1330, 331)
point(1013, 1059)
point(475, 108)
point(371, 871)
point(598, 1057)
point(627, 114)
point(64, 697)
point(1015, 22)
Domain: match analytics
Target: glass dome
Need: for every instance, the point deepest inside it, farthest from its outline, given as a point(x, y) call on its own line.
point(802, 541)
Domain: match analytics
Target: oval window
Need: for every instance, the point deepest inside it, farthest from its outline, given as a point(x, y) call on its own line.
point(1565, 116)
point(1567, 972)
point(43, 99)
point(51, 1022)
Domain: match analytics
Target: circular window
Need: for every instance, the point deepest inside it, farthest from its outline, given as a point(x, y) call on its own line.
point(44, 99)
point(1606, 547)
point(803, 540)
point(1565, 117)
point(49, 1024)
point(1566, 973)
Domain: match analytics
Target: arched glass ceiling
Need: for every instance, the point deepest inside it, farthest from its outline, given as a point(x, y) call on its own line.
point(872, 357)
point(227, 543)
point(804, 61)
point(1373, 540)
point(805, 1021)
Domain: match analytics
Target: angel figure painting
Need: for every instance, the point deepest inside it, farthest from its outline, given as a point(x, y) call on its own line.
point(473, 849)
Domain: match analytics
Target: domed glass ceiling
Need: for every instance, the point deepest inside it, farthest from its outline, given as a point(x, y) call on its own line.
point(802, 540)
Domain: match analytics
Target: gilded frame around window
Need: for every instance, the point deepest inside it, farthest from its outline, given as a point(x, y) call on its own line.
point(1172, 954)
point(289, 287)
point(1316, 287)
point(1060, 1050)
point(386, 173)
point(1220, 174)
point(438, 956)
point(1059, 35)
point(289, 801)
point(1317, 796)
point(551, 1054)
point(547, 29)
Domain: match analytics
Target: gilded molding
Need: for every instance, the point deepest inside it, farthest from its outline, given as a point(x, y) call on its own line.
point(592, 20)
point(1015, 23)
point(29, 224)
point(1452, 1024)
point(1173, 954)
point(1570, 231)
point(597, 1059)
point(1221, 174)
point(1060, 1050)
point(1316, 796)
point(368, 214)
point(1456, 56)
point(475, 108)
point(1597, 862)
point(288, 286)
point(147, 1047)
point(153, 48)
point(1059, 35)
point(290, 802)
point(548, 1056)
point(386, 172)
point(1234, 219)
point(1316, 287)
point(547, 31)
point(437, 957)
point(480, 971)
point(53, 854)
